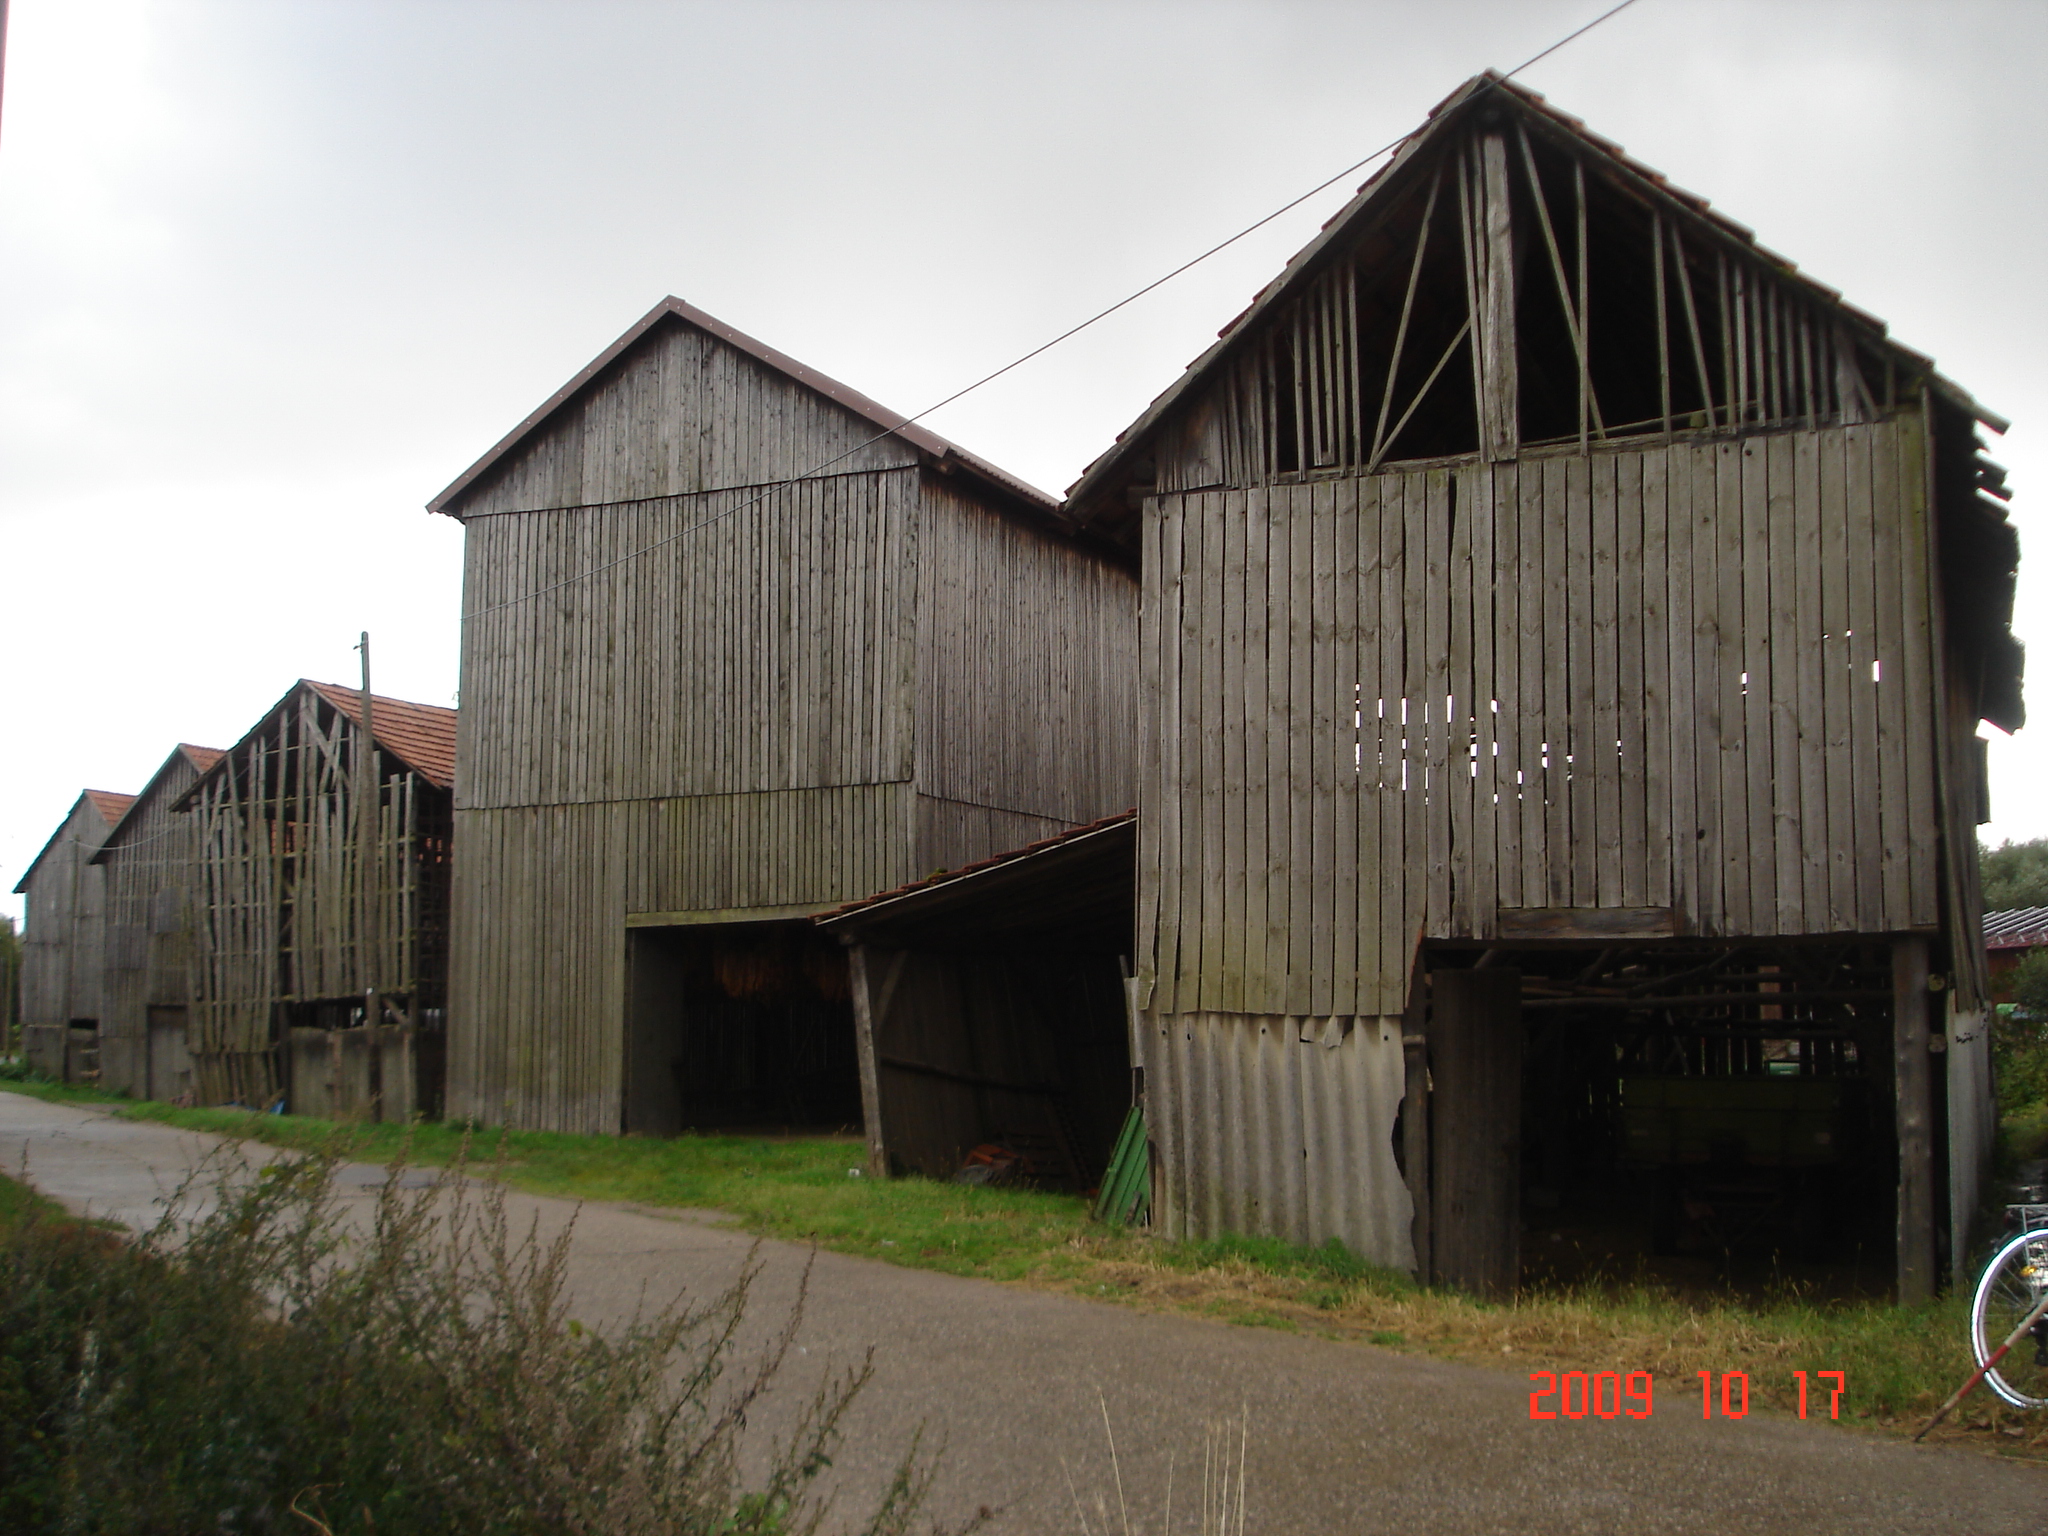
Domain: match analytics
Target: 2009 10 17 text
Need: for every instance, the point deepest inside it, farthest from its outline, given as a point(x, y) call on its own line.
point(1611, 1395)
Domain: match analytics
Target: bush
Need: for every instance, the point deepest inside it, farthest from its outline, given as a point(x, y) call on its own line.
point(2014, 875)
point(264, 1369)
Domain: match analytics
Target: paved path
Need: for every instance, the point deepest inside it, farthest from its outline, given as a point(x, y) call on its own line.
point(1344, 1438)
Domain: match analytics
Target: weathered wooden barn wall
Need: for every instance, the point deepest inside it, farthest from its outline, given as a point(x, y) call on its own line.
point(64, 938)
point(1537, 559)
point(1027, 689)
point(732, 699)
point(681, 411)
point(1422, 703)
point(148, 861)
point(305, 914)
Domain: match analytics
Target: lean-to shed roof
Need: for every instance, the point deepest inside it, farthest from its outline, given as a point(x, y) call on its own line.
point(941, 453)
point(1086, 497)
point(1078, 884)
point(109, 805)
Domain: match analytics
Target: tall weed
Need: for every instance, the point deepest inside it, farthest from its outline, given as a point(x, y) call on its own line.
point(259, 1363)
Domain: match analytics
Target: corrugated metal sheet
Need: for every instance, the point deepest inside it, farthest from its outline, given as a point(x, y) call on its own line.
point(2017, 928)
point(1278, 1126)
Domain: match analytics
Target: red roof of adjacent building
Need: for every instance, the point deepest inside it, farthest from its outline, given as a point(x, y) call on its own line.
point(107, 804)
point(422, 735)
point(111, 805)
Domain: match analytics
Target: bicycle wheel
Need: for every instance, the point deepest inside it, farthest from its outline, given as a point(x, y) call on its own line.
point(2010, 1288)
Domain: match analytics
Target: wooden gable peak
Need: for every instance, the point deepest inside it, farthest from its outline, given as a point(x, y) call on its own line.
point(935, 450)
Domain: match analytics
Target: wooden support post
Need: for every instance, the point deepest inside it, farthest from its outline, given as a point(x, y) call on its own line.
point(1475, 1038)
point(864, 1018)
point(1494, 334)
point(1415, 1142)
point(1911, 1075)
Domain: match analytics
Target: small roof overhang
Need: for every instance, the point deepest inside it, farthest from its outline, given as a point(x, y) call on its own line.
point(1076, 890)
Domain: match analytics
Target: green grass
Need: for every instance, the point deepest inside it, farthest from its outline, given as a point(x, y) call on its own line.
point(788, 1188)
point(1901, 1362)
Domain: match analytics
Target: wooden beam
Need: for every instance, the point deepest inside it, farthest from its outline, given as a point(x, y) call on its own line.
point(1663, 321)
point(1911, 1077)
point(1475, 1056)
point(1379, 434)
point(1415, 1125)
point(1587, 923)
point(864, 1046)
point(1494, 341)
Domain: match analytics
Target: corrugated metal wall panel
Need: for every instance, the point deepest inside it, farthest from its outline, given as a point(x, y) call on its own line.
point(1280, 1126)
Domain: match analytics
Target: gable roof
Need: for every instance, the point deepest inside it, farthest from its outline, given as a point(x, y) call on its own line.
point(108, 805)
point(1391, 180)
point(422, 736)
point(111, 804)
point(200, 759)
point(936, 449)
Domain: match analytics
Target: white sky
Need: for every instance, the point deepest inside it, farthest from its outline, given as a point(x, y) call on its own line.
point(273, 273)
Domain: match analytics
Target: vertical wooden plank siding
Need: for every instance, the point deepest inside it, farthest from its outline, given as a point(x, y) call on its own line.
point(746, 696)
point(1613, 681)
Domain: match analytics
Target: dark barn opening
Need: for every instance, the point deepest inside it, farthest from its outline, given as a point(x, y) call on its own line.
point(1698, 1115)
point(739, 1027)
point(993, 1012)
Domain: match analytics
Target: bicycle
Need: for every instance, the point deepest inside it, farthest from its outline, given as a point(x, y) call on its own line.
point(2009, 1294)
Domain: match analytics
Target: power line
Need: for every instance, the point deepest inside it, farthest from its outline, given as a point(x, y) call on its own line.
point(1072, 331)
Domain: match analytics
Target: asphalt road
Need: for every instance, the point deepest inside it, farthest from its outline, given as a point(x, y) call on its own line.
point(1342, 1437)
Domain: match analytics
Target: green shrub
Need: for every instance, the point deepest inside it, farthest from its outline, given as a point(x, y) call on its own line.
point(2019, 1040)
point(265, 1368)
point(2014, 875)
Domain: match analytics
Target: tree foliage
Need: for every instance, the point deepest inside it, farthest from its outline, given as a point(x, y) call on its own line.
point(2014, 875)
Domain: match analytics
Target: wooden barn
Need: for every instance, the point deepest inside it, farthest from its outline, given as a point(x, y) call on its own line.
point(64, 941)
point(741, 645)
point(319, 903)
point(147, 862)
point(1566, 627)
point(989, 1006)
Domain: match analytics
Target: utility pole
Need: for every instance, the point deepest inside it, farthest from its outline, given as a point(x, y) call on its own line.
point(366, 845)
point(3, 47)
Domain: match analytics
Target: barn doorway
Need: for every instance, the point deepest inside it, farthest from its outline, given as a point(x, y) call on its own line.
point(1701, 1117)
point(170, 1055)
point(739, 1028)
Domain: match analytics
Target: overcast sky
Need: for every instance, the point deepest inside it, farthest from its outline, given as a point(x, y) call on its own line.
point(272, 274)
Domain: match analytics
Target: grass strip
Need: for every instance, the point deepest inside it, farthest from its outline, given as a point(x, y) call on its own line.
point(1901, 1362)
